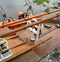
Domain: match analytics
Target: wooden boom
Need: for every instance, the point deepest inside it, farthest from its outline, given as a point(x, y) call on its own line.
point(25, 19)
point(26, 26)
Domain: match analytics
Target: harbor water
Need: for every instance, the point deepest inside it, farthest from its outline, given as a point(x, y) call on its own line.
point(12, 7)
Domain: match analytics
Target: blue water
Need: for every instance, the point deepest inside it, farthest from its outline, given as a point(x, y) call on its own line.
point(11, 7)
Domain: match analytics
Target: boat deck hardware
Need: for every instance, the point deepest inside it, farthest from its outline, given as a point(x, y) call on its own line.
point(4, 49)
point(57, 25)
point(47, 26)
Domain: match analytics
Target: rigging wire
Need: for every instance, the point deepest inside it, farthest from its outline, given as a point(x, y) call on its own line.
point(29, 6)
point(3, 14)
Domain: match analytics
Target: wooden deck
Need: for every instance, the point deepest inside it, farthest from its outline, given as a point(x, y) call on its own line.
point(32, 53)
point(36, 53)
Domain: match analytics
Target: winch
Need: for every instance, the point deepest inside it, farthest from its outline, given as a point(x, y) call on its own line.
point(4, 49)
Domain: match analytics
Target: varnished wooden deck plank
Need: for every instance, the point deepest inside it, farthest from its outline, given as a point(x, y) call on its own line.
point(41, 49)
point(23, 48)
